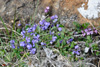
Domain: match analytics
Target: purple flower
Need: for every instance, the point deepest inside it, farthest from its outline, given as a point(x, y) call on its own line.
point(33, 45)
point(59, 34)
point(84, 34)
point(91, 32)
point(76, 52)
point(52, 25)
point(23, 32)
point(12, 46)
point(51, 33)
point(12, 41)
point(42, 43)
point(59, 29)
point(82, 31)
point(96, 31)
point(54, 38)
point(88, 33)
point(29, 30)
point(47, 23)
point(76, 47)
point(23, 36)
point(86, 30)
point(33, 42)
point(54, 17)
point(51, 42)
point(33, 51)
point(23, 44)
point(42, 22)
point(33, 28)
point(29, 46)
point(89, 29)
point(36, 37)
point(57, 25)
point(33, 34)
point(27, 39)
point(19, 24)
point(55, 20)
point(47, 9)
point(61, 41)
point(69, 41)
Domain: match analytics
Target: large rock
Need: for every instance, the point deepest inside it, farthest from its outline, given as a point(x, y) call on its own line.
point(67, 10)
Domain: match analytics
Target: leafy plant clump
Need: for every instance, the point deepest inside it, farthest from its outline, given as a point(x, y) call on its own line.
point(49, 32)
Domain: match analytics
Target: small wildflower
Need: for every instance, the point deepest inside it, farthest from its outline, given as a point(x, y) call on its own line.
point(59, 29)
point(42, 43)
point(96, 31)
point(47, 23)
point(88, 33)
point(89, 29)
point(19, 25)
point(47, 9)
point(33, 51)
point(84, 34)
point(54, 38)
point(91, 32)
point(12, 41)
point(59, 34)
point(57, 25)
point(23, 44)
point(27, 39)
point(61, 41)
point(55, 20)
point(13, 46)
point(29, 46)
point(51, 33)
point(86, 30)
point(54, 17)
point(51, 42)
point(69, 41)
point(76, 47)
point(76, 52)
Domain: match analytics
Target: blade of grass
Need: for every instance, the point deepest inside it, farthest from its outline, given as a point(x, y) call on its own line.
point(4, 25)
point(14, 24)
point(35, 12)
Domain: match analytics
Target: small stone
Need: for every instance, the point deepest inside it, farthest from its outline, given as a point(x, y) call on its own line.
point(86, 49)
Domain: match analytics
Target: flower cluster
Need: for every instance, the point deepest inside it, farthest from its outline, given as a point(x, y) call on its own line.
point(89, 31)
point(44, 24)
point(76, 50)
point(30, 38)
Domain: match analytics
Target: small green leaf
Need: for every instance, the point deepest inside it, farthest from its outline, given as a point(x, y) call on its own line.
point(85, 25)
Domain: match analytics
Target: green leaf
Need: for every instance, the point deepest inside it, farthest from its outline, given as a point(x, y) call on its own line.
point(62, 35)
point(48, 19)
point(89, 40)
point(37, 46)
point(38, 28)
point(77, 24)
point(61, 25)
point(58, 43)
point(85, 25)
